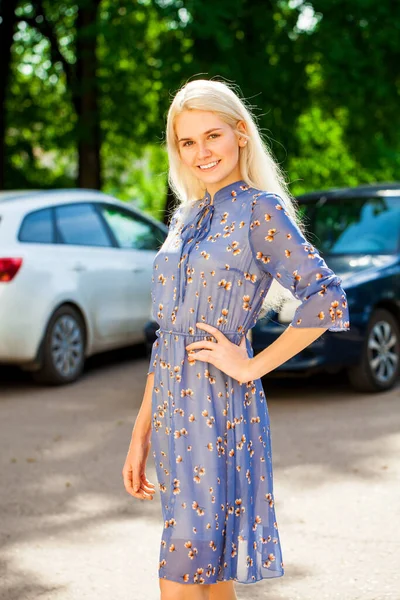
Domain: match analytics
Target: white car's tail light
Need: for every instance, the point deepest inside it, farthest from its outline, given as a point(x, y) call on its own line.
point(9, 267)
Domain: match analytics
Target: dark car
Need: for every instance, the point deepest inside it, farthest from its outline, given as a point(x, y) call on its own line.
point(357, 231)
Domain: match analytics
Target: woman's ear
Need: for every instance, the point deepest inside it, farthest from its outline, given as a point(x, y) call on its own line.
point(241, 126)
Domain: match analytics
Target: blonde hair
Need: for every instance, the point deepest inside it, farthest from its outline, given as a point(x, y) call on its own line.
point(257, 165)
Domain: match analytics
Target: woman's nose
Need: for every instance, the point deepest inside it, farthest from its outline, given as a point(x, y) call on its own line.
point(203, 151)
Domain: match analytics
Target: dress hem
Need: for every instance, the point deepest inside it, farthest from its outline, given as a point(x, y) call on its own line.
point(274, 576)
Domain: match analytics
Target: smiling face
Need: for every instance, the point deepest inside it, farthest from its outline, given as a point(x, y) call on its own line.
point(209, 148)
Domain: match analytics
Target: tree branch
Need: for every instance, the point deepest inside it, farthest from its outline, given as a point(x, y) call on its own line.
point(45, 27)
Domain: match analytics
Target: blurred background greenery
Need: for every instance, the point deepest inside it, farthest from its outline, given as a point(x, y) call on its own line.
point(85, 87)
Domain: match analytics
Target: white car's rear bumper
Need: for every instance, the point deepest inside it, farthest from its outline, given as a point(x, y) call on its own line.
point(23, 319)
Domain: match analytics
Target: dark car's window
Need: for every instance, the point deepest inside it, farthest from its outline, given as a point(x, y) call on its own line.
point(81, 225)
point(37, 227)
point(356, 225)
point(131, 231)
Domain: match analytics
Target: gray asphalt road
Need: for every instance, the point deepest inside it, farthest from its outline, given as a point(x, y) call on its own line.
point(69, 531)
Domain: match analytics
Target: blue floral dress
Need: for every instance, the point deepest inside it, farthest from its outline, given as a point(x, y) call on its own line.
point(211, 437)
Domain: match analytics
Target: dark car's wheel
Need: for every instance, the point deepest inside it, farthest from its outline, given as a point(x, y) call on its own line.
point(380, 363)
point(63, 351)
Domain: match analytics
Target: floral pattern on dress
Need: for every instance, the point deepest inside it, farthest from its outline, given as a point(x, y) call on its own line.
point(211, 436)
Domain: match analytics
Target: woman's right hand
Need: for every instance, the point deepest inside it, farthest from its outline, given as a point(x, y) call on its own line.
point(133, 472)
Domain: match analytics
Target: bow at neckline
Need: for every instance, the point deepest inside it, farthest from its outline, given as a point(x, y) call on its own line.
point(198, 227)
point(193, 231)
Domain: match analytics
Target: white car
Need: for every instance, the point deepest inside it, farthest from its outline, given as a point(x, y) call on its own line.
point(75, 278)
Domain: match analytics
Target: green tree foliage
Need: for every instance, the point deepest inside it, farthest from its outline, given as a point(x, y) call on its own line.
point(40, 133)
point(357, 47)
point(323, 78)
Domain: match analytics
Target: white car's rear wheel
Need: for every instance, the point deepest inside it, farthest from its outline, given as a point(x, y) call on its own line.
point(63, 352)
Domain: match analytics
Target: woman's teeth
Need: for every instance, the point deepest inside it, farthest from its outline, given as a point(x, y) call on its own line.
point(209, 166)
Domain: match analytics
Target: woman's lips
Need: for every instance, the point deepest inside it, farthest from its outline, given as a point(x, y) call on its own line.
point(209, 168)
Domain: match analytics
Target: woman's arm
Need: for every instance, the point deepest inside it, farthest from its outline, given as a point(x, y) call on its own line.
point(281, 251)
point(288, 344)
point(234, 360)
point(134, 469)
point(142, 428)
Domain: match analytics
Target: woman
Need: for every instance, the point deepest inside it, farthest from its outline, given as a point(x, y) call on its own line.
point(204, 410)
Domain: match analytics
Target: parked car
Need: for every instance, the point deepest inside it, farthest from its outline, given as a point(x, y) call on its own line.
point(357, 231)
point(75, 278)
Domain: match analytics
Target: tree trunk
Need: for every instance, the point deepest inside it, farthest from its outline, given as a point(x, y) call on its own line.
point(88, 127)
point(7, 25)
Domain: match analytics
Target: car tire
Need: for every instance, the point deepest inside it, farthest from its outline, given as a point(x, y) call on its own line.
point(380, 363)
point(63, 348)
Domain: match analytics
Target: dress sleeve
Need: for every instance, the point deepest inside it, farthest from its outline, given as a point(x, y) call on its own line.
point(280, 249)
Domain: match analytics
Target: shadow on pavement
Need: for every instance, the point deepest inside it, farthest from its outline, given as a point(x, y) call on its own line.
point(62, 450)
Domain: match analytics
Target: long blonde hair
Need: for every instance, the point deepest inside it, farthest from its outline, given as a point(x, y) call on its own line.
point(257, 165)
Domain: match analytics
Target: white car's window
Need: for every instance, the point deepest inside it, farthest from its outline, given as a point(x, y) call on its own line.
point(37, 227)
point(131, 232)
point(81, 225)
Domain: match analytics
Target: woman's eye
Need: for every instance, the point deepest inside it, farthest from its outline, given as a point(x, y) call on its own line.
point(215, 135)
